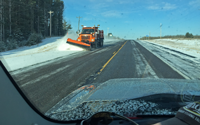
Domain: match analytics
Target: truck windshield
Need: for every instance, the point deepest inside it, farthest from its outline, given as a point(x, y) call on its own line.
point(87, 31)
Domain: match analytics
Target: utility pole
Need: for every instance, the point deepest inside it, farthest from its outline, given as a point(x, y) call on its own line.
point(78, 23)
point(50, 12)
point(160, 30)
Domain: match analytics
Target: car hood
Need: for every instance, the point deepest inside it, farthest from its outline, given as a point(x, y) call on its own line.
point(129, 88)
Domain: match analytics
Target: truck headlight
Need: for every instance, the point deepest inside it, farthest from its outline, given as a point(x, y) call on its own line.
point(78, 39)
point(92, 39)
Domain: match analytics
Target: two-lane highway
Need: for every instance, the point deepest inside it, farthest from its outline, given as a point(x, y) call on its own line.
point(127, 62)
point(48, 84)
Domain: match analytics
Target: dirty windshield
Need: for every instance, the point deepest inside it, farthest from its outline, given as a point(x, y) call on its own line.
point(142, 55)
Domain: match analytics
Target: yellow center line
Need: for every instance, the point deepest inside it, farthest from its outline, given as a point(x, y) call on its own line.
point(111, 58)
point(114, 52)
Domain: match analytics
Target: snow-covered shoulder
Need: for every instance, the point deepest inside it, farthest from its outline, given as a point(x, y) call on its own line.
point(48, 49)
point(189, 47)
point(182, 55)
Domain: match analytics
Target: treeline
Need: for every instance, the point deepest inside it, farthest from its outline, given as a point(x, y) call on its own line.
point(26, 22)
point(186, 36)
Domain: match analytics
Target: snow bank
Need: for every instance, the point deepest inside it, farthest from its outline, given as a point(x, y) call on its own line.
point(49, 49)
point(63, 46)
point(191, 42)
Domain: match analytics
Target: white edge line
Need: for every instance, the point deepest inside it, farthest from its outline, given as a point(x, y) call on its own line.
point(186, 77)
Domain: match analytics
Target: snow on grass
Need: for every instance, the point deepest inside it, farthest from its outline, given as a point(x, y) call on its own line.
point(49, 49)
point(190, 47)
point(182, 55)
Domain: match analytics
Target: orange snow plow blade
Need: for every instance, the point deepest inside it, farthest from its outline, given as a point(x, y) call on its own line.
point(78, 43)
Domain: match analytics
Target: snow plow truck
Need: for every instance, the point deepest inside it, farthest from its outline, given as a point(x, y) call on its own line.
point(90, 37)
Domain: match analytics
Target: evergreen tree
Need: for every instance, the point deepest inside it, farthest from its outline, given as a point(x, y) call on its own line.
point(66, 27)
point(23, 19)
point(188, 35)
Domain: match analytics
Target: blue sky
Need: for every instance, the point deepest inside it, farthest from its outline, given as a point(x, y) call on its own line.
point(133, 19)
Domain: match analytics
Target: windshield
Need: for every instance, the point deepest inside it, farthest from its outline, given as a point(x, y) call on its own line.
point(87, 31)
point(144, 55)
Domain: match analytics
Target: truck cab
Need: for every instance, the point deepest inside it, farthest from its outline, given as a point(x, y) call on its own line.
point(92, 36)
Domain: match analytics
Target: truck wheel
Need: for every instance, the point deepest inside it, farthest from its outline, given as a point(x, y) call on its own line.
point(99, 44)
point(90, 49)
point(102, 43)
point(93, 45)
point(96, 44)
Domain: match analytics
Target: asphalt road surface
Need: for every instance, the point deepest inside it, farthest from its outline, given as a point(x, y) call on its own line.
point(45, 85)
